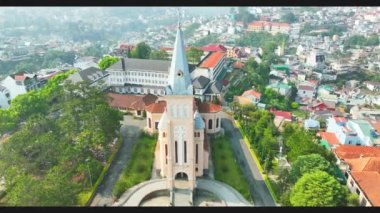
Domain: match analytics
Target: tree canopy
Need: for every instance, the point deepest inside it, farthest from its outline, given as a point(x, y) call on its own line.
point(318, 189)
point(107, 61)
point(309, 163)
point(288, 17)
point(159, 55)
point(65, 133)
point(194, 55)
point(142, 51)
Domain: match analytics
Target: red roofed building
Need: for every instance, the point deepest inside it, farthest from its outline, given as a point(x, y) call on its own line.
point(331, 138)
point(238, 65)
point(20, 83)
point(270, 27)
point(283, 114)
point(211, 66)
point(136, 104)
point(214, 48)
point(253, 95)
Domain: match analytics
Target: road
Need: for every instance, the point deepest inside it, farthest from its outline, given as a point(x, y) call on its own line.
point(130, 130)
point(259, 191)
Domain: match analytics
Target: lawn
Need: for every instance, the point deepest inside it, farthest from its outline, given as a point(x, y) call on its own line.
point(139, 167)
point(300, 114)
point(226, 168)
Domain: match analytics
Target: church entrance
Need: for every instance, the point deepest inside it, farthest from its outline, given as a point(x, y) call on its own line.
point(181, 176)
point(181, 181)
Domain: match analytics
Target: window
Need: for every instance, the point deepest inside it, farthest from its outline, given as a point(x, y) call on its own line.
point(217, 122)
point(352, 183)
point(149, 123)
point(210, 124)
point(363, 202)
point(196, 169)
point(195, 134)
point(163, 134)
point(156, 125)
point(196, 153)
point(357, 191)
point(176, 151)
point(166, 153)
point(185, 151)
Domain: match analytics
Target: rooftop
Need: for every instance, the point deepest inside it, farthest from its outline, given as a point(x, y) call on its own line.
point(349, 152)
point(330, 138)
point(136, 102)
point(212, 60)
point(369, 183)
point(209, 108)
point(252, 92)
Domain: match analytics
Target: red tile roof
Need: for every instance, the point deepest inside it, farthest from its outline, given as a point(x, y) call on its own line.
point(340, 119)
point(212, 60)
point(252, 92)
point(369, 182)
point(284, 114)
point(238, 65)
point(20, 77)
point(209, 108)
point(330, 138)
point(366, 164)
point(348, 151)
point(214, 48)
point(268, 23)
point(158, 107)
point(305, 87)
point(135, 102)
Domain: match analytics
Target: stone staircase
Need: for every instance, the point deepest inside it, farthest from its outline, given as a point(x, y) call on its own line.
point(182, 197)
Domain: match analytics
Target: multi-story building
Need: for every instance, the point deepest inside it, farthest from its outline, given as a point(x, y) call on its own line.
point(211, 66)
point(270, 27)
point(20, 83)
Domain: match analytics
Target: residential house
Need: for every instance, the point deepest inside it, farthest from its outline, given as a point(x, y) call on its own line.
point(5, 98)
point(20, 83)
point(207, 90)
point(253, 95)
point(311, 124)
point(373, 86)
point(329, 138)
point(353, 132)
point(281, 117)
point(318, 106)
point(92, 75)
point(281, 88)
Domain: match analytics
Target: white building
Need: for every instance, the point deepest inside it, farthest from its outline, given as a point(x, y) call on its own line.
point(306, 91)
point(5, 98)
point(316, 59)
point(20, 83)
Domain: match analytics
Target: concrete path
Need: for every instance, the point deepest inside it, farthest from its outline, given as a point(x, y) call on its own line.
point(259, 190)
point(228, 195)
point(130, 130)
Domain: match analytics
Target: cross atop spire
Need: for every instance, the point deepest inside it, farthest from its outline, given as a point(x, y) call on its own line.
point(179, 17)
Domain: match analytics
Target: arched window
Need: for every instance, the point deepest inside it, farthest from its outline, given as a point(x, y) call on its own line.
point(163, 134)
point(196, 153)
point(150, 123)
point(217, 122)
point(166, 153)
point(210, 124)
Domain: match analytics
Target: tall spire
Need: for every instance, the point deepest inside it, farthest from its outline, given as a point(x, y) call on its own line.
point(179, 76)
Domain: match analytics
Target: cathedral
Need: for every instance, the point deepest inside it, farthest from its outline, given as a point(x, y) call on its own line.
point(182, 123)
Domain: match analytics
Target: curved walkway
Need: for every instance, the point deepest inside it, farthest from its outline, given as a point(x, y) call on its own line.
point(226, 193)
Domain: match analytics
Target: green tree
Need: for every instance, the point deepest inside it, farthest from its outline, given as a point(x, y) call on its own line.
point(208, 39)
point(318, 189)
point(294, 105)
point(142, 51)
point(159, 55)
point(194, 55)
point(107, 61)
point(353, 199)
point(309, 163)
